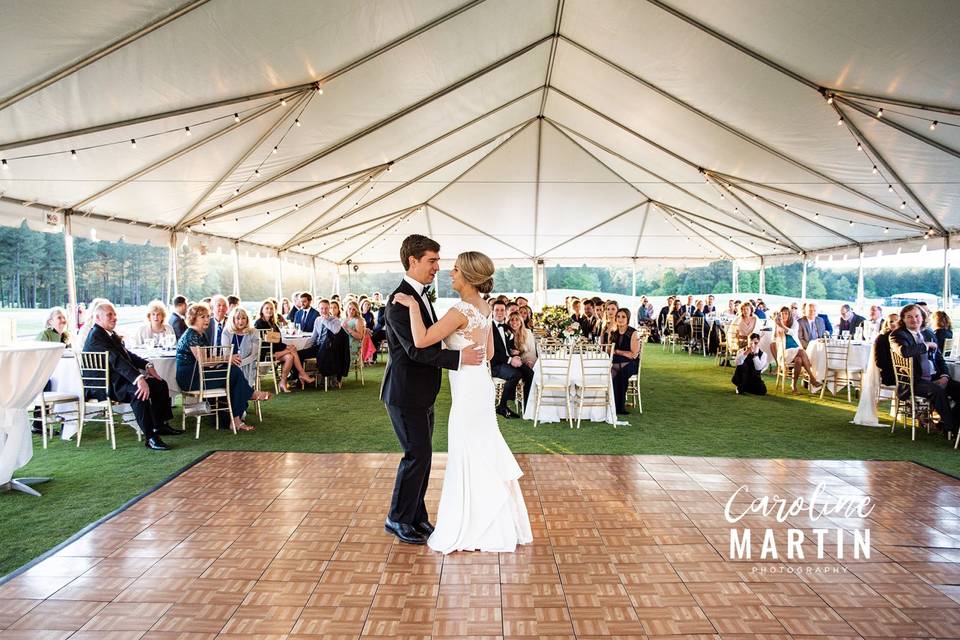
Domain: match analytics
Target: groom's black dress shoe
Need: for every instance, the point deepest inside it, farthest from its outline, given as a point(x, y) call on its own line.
point(156, 444)
point(407, 533)
point(424, 527)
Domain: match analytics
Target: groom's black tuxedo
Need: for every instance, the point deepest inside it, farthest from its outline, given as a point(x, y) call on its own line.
point(411, 382)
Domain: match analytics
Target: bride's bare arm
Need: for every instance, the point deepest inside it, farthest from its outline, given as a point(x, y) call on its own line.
point(423, 337)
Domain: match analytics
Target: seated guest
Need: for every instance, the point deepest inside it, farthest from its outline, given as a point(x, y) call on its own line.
point(305, 315)
point(154, 329)
point(745, 324)
point(751, 362)
point(188, 374)
point(87, 323)
point(285, 354)
point(379, 332)
point(218, 322)
point(811, 326)
point(589, 323)
point(54, 330)
point(232, 303)
point(176, 316)
point(874, 323)
point(925, 310)
point(710, 307)
point(942, 329)
point(794, 354)
point(930, 377)
point(512, 307)
point(849, 321)
point(524, 343)
point(324, 346)
point(698, 310)
point(133, 380)
point(576, 310)
point(626, 348)
point(355, 326)
point(731, 311)
point(366, 311)
point(245, 341)
point(286, 310)
point(522, 302)
point(508, 367)
point(664, 311)
point(688, 308)
point(526, 314)
point(761, 310)
point(881, 351)
point(609, 323)
point(680, 318)
point(645, 311)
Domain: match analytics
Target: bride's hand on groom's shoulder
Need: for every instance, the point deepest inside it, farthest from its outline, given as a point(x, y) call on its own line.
point(403, 299)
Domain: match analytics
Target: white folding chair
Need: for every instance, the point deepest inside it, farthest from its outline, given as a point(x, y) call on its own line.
point(594, 389)
point(553, 382)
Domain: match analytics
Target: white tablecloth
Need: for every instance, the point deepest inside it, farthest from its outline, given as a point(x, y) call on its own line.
point(66, 379)
point(24, 370)
point(867, 409)
point(558, 413)
point(299, 341)
point(860, 355)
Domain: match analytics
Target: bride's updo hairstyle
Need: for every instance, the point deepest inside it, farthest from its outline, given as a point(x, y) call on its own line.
point(477, 269)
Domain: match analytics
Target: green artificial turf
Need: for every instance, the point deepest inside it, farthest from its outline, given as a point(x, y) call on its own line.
point(689, 405)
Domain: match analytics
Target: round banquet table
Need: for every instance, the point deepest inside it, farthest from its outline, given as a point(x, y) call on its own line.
point(66, 379)
point(552, 413)
point(24, 370)
point(298, 340)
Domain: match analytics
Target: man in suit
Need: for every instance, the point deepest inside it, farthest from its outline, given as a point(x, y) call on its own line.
point(218, 321)
point(410, 385)
point(589, 323)
point(849, 321)
point(176, 318)
point(810, 326)
point(379, 332)
point(294, 306)
point(133, 380)
point(710, 307)
point(930, 377)
point(506, 366)
point(306, 315)
point(323, 340)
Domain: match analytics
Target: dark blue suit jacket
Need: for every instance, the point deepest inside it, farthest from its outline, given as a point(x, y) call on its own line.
point(306, 318)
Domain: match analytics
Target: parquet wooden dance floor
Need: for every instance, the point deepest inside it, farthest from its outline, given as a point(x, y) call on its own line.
point(283, 545)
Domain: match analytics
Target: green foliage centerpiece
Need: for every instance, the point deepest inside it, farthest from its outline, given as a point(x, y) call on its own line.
point(556, 322)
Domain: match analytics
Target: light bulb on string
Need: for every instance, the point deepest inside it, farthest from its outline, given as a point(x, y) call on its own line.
point(880, 112)
point(933, 125)
point(237, 190)
point(186, 130)
point(917, 219)
point(4, 164)
point(903, 205)
point(851, 223)
point(236, 117)
point(859, 147)
point(875, 170)
point(73, 154)
point(297, 122)
point(840, 122)
point(886, 229)
point(830, 99)
point(256, 172)
point(283, 102)
point(890, 188)
point(274, 150)
point(133, 143)
point(268, 214)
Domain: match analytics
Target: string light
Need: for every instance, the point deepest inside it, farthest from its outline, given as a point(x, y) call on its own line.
point(256, 172)
point(3, 163)
point(297, 122)
point(880, 112)
point(851, 223)
point(886, 229)
point(933, 125)
point(268, 214)
point(890, 188)
point(903, 205)
point(283, 102)
point(840, 122)
point(133, 143)
point(830, 99)
point(236, 117)
point(274, 150)
point(859, 147)
point(917, 219)
point(74, 154)
point(875, 170)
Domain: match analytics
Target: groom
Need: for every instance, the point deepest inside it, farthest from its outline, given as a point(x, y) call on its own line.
point(410, 385)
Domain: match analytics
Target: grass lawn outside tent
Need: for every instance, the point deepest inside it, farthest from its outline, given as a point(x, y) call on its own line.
point(690, 409)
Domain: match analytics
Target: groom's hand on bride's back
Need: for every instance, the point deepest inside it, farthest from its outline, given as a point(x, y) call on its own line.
point(472, 355)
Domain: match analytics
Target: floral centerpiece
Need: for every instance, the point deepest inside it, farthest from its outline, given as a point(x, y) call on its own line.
point(556, 322)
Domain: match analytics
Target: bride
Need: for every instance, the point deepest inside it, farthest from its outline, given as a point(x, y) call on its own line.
point(481, 506)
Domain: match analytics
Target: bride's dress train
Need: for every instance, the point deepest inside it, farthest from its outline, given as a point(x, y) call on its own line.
point(481, 506)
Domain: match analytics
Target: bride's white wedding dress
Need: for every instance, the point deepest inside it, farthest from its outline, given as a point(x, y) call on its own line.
point(481, 506)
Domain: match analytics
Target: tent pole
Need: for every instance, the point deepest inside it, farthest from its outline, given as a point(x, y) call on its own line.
point(236, 269)
point(763, 277)
point(947, 298)
point(803, 282)
point(633, 276)
point(71, 270)
point(860, 280)
point(336, 281)
point(175, 287)
point(735, 275)
point(313, 277)
point(279, 282)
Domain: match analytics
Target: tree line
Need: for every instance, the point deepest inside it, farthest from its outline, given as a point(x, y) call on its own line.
point(33, 275)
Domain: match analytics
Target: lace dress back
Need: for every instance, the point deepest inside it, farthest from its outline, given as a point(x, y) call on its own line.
point(476, 331)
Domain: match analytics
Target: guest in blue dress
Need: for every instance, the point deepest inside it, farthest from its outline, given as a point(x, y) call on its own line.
point(188, 375)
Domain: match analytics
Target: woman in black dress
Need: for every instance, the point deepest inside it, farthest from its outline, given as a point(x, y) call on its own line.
point(285, 354)
point(626, 349)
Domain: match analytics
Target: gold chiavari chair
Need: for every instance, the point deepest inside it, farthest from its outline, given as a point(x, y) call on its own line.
point(553, 382)
point(698, 338)
point(784, 370)
point(669, 335)
point(214, 366)
point(633, 382)
point(595, 388)
point(95, 377)
point(839, 369)
point(267, 364)
point(913, 406)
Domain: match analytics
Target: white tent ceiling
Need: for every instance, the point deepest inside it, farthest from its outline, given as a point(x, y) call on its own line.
point(567, 130)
